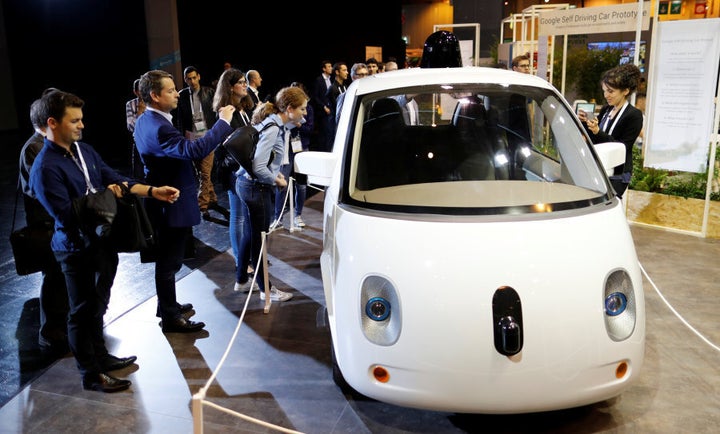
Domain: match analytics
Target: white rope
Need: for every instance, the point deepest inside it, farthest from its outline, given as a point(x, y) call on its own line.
point(707, 341)
point(200, 395)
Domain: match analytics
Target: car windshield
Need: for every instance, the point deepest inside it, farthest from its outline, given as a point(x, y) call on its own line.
point(469, 149)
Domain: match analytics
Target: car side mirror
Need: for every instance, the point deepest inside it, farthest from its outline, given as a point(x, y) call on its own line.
point(317, 165)
point(611, 154)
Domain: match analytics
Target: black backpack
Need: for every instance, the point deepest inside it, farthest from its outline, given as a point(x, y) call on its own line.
point(240, 145)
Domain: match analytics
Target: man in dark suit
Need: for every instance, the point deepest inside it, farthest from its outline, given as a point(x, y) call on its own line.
point(168, 158)
point(340, 77)
point(254, 80)
point(194, 116)
point(321, 106)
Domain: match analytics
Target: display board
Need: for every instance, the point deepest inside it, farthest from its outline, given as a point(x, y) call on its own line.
point(683, 84)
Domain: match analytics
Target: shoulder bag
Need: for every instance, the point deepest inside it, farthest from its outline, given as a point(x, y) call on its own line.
point(31, 246)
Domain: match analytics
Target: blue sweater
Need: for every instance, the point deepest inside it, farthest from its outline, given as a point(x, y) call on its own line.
point(56, 179)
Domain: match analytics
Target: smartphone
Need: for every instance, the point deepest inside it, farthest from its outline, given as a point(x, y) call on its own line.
point(588, 108)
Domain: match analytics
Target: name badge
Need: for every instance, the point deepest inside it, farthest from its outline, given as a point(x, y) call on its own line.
point(200, 126)
point(296, 144)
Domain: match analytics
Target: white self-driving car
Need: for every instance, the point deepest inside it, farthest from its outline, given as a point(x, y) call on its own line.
point(475, 257)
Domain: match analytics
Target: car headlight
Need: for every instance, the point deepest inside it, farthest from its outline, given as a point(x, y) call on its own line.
point(380, 311)
point(619, 305)
point(377, 309)
point(615, 304)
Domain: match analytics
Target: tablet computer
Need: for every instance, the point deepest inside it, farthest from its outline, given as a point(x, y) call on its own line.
point(587, 107)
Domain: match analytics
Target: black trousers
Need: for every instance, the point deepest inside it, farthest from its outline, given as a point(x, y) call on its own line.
point(89, 275)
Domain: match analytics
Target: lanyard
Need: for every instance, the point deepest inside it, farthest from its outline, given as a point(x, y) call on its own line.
point(83, 167)
point(607, 119)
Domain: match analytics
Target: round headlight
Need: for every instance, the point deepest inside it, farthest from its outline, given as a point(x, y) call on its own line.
point(377, 309)
point(615, 304)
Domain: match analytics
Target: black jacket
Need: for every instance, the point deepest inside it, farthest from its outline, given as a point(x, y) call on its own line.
point(625, 128)
point(182, 115)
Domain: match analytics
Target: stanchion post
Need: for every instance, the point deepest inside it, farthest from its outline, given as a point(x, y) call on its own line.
point(291, 193)
point(266, 275)
point(197, 412)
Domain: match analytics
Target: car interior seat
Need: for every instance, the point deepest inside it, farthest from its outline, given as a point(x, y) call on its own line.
point(470, 121)
point(382, 155)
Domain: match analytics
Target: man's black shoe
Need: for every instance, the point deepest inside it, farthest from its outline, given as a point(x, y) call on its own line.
point(181, 325)
point(103, 382)
point(183, 308)
point(112, 363)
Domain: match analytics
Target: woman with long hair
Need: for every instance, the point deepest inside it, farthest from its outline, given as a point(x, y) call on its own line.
point(232, 89)
point(273, 120)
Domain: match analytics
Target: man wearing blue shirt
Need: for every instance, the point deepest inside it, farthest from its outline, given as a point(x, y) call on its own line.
point(66, 170)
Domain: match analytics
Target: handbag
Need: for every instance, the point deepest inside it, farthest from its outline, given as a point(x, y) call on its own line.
point(31, 246)
point(241, 144)
point(131, 230)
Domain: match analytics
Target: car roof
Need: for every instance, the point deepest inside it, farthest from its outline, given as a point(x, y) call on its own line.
point(403, 78)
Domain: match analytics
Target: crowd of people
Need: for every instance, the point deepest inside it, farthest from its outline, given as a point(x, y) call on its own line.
point(177, 162)
point(175, 166)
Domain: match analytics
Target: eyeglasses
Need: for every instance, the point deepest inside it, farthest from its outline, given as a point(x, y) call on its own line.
point(524, 65)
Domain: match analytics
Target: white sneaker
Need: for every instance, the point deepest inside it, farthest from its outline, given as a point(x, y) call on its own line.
point(299, 222)
point(276, 295)
point(244, 287)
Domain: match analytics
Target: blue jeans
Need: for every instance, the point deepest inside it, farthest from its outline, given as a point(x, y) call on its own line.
point(239, 233)
point(300, 191)
point(258, 198)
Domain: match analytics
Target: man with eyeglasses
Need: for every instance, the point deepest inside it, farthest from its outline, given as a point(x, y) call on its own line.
point(358, 71)
point(521, 63)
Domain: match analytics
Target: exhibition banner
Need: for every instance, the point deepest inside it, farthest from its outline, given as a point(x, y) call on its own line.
point(683, 85)
point(601, 19)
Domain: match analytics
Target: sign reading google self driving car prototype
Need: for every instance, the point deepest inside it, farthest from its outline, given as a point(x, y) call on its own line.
point(602, 19)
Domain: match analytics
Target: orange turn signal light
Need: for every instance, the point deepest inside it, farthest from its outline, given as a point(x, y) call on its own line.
point(381, 374)
point(621, 370)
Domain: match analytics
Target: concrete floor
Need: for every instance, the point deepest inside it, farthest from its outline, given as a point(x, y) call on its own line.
point(278, 367)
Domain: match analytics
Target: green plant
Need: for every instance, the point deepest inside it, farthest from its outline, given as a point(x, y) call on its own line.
point(674, 183)
point(686, 185)
point(495, 42)
point(584, 69)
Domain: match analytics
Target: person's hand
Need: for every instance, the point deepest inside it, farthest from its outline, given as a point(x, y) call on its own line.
point(166, 193)
point(226, 112)
point(280, 181)
point(591, 122)
point(117, 191)
point(582, 115)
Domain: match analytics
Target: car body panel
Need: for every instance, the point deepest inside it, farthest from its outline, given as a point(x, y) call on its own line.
point(446, 274)
point(441, 240)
